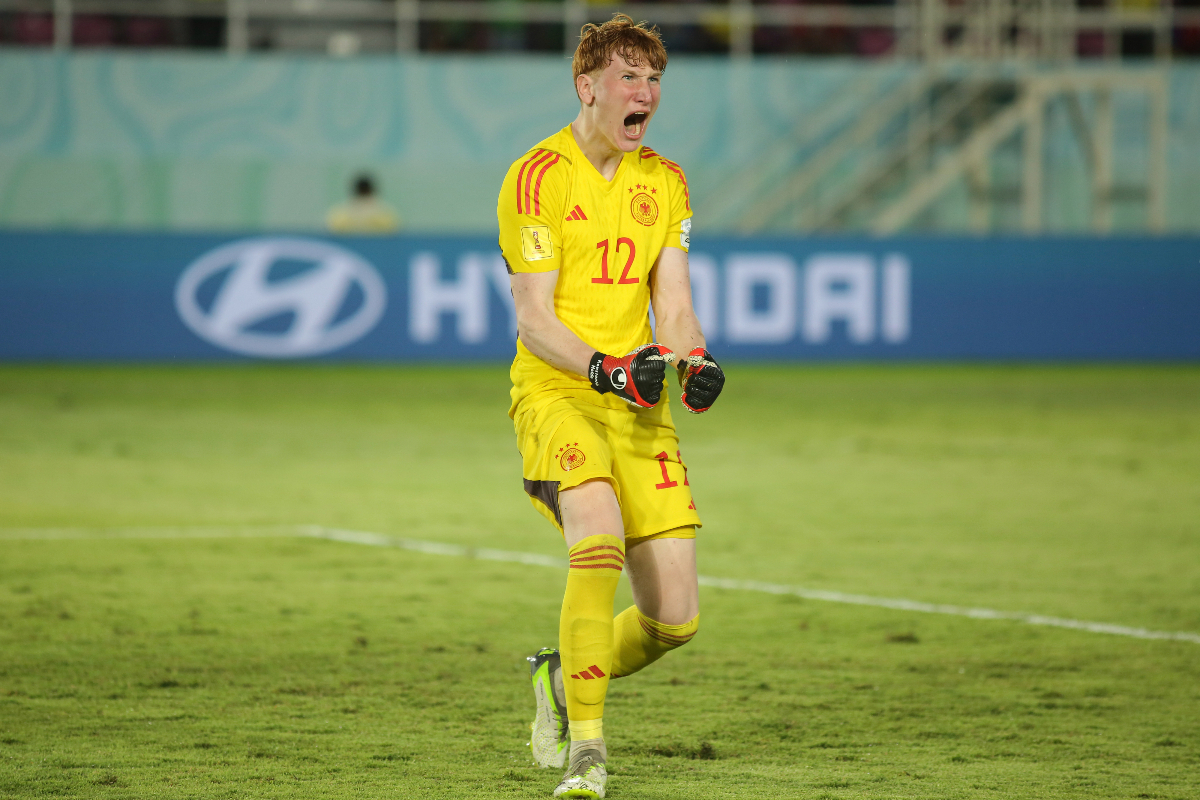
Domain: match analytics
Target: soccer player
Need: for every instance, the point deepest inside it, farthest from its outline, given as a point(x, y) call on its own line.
point(595, 227)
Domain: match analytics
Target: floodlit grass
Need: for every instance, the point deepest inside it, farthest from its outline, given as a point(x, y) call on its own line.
point(285, 667)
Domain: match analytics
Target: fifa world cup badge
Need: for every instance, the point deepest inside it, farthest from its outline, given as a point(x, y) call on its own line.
point(535, 243)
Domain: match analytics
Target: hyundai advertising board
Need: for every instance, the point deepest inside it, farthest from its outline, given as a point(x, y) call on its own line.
point(182, 297)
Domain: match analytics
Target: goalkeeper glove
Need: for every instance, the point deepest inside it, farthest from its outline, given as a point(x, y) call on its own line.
point(702, 380)
point(636, 378)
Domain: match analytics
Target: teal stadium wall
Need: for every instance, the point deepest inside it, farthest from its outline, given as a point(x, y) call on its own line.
point(207, 142)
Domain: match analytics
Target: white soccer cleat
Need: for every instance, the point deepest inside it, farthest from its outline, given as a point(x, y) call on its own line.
point(550, 739)
point(586, 777)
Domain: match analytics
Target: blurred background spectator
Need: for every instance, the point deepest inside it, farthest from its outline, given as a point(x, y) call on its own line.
point(364, 212)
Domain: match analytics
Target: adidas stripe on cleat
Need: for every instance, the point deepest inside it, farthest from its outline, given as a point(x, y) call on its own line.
point(550, 737)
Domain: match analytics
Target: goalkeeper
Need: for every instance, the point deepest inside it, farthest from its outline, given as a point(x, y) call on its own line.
point(595, 227)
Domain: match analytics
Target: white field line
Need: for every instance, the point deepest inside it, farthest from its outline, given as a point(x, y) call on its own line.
point(154, 532)
point(539, 560)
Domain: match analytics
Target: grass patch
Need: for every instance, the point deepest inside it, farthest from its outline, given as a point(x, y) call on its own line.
point(283, 667)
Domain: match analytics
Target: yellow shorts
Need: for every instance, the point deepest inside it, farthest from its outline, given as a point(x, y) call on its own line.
point(566, 438)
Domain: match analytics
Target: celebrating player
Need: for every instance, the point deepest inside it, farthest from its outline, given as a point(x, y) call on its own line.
point(595, 227)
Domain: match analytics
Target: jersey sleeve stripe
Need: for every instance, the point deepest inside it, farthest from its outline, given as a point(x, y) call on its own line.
point(671, 165)
point(545, 156)
point(537, 189)
point(687, 197)
point(521, 177)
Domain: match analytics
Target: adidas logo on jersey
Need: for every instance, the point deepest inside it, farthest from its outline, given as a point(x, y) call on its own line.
point(577, 213)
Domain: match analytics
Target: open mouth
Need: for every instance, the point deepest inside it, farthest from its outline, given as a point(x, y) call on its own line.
point(635, 123)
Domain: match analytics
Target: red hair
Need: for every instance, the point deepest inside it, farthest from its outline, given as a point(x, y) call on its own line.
point(636, 43)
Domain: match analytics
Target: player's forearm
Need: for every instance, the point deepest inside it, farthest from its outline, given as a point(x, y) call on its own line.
point(540, 329)
point(675, 323)
point(553, 342)
point(679, 331)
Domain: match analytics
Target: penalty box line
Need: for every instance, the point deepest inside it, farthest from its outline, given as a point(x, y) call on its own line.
point(540, 560)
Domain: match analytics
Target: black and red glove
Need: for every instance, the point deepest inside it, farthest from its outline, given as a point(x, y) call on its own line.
point(702, 380)
point(636, 378)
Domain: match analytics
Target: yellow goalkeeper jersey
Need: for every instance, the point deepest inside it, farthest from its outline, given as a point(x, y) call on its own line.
point(557, 212)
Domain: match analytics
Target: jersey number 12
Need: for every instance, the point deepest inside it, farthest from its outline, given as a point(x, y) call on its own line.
point(603, 246)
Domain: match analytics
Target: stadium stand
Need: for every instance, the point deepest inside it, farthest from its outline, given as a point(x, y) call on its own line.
point(861, 28)
point(950, 115)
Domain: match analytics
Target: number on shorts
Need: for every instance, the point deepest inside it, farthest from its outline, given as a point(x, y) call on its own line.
point(667, 482)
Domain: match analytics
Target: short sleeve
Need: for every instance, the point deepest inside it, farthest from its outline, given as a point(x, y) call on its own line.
point(530, 211)
point(680, 233)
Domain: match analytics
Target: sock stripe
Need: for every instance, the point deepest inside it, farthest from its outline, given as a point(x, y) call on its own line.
point(614, 556)
point(604, 562)
point(602, 556)
point(673, 642)
point(599, 547)
point(664, 637)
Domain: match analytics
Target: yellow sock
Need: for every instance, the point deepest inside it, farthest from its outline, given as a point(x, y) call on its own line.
point(585, 628)
point(587, 729)
point(639, 640)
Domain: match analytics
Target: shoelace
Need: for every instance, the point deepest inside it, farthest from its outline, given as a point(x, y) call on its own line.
point(579, 767)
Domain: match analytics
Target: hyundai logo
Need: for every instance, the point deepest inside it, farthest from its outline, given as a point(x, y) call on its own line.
point(280, 298)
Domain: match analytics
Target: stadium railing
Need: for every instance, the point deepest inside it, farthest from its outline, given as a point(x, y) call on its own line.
point(928, 29)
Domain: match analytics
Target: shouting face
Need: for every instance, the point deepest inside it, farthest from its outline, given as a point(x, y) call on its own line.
point(621, 99)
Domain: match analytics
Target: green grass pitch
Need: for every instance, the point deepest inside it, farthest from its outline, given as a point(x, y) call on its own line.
point(283, 667)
